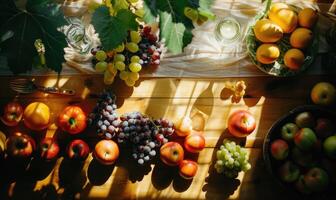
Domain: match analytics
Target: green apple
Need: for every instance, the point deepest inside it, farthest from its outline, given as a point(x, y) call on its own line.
point(289, 172)
point(316, 179)
point(305, 139)
point(323, 93)
point(288, 131)
point(329, 146)
point(305, 120)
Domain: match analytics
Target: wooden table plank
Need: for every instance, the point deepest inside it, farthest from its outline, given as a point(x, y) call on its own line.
point(267, 98)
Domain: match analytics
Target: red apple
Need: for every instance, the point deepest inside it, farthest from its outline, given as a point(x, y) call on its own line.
point(305, 139)
point(78, 150)
point(48, 149)
point(183, 126)
point(324, 128)
point(20, 145)
point(171, 153)
point(279, 149)
point(194, 143)
point(12, 115)
point(323, 93)
point(188, 169)
point(241, 123)
point(316, 179)
point(289, 172)
point(106, 152)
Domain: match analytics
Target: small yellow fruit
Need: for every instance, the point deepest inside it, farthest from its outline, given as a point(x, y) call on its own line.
point(268, 53)
point(301, 38)
point(286, 18)
point(294, 58)
point(267, 31)
point(307, 17)
point(278, 6)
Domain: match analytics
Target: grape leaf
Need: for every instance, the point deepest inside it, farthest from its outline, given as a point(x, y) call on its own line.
point(113, 30)
point(40, 20)
point(175, 27)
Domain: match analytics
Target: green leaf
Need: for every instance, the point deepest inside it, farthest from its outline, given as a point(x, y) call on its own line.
point(40, 20)
point(175, 27)
point(113, 30)
point(176, 35)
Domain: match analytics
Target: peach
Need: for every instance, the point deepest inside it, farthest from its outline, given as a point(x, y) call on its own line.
point(194, 142)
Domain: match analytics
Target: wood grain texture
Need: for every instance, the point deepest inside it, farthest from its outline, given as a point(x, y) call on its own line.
point(205, 100)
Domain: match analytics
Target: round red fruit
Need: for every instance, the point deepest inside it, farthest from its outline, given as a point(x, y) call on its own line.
point(279, 149)
point(188, 169)
point(241, 123)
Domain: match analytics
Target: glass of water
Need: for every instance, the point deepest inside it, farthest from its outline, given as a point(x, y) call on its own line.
point(227, 30)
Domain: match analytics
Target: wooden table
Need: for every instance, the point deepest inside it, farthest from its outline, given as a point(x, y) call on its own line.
point(205, 100)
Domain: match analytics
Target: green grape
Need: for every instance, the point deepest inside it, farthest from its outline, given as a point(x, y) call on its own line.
point(130, 82)
point(132, 1)
point(108, 78)
point(101, 66)
point(232, 158)
point(120, 48)
point(101, 55)
point(135, 59)
point(120, 65)
point(135, 37)
point(246, 167)
point(191, 13)
point(139, 12)
point(124, 75)
point(112, 69)
point(220, 163)
point(119, 57)
point(132, 47)
point(134, 76)
point(219, 155)
point(135, 67)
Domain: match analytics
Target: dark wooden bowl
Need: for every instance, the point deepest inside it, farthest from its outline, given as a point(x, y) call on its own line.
point(275, 133)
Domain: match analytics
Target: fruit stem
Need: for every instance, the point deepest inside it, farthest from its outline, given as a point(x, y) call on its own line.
point(72, 121)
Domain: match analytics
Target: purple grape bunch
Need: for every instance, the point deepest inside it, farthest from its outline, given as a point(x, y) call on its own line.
point(150, 49)
point(105, 117)
point(144, 135)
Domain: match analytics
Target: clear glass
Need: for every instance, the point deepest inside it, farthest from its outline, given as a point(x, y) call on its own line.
point(227, 31)
point(76, 37)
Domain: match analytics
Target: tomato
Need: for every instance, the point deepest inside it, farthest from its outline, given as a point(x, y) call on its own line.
point(72, 120)
point(36, 116)
point(12, 114)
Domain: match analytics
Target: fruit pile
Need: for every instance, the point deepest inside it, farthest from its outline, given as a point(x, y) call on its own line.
point(231, 159)
point(144, 135)
point(285, 25)
point(173, 154)
point(304, 152)
point(36, 116)
point(141, 49)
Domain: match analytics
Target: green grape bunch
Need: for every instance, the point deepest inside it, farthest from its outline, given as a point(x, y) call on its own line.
point(231, 159)
point(141, 49)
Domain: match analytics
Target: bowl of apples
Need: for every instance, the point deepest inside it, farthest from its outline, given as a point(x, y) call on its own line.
point(300, 151)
